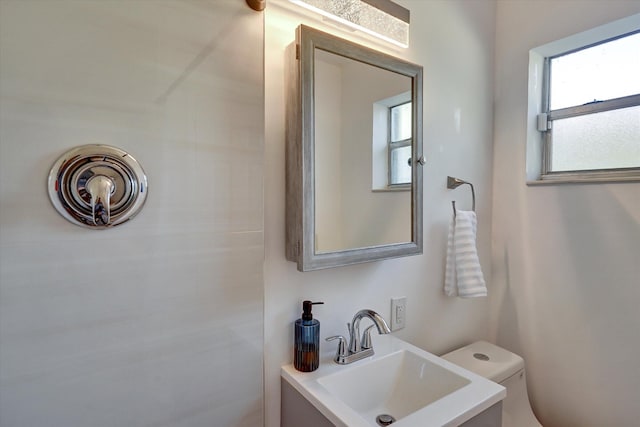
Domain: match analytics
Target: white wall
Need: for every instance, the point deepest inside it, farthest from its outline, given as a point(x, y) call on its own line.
point(454, 42)
point(566, 258)
point(328, 135)
point(157, 322)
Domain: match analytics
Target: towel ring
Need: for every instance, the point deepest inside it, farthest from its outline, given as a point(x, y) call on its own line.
point(453, 183)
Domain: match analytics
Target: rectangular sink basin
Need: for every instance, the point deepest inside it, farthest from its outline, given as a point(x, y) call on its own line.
point(397, 385)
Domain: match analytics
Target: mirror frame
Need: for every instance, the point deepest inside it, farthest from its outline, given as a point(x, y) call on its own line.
point(300, 152)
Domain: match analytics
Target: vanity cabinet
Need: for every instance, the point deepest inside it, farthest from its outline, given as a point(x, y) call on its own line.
point(296, 411)
point(491, 417)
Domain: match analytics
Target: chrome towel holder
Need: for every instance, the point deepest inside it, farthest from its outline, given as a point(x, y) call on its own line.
point(453, 183)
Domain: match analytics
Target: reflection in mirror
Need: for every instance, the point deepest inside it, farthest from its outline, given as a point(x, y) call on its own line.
point(362, 153)
point(354, 153)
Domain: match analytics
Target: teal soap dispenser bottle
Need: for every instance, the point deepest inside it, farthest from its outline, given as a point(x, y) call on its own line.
point(306, 357)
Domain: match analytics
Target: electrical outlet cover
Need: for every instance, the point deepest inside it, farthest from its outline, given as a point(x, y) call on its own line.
point(398, 313)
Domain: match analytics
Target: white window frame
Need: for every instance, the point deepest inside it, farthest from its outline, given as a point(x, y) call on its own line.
point(393, 145)
point(540, 129)
point(381, 152)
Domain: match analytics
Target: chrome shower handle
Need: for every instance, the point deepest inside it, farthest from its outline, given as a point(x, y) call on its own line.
point(100, 188)
point(97, 186)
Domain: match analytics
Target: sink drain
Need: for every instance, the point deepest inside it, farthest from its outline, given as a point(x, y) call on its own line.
point(385, 419)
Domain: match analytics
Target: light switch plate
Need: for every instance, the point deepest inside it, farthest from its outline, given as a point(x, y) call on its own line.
point(398, 313)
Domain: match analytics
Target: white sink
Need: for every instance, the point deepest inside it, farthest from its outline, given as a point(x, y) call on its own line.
point(417, 388)
point(397, 384)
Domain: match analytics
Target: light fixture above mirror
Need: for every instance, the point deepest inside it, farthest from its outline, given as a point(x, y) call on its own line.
point(383, 19)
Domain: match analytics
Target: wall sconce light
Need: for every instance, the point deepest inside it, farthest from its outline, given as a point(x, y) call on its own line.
point(257, 5)
point(383, 19)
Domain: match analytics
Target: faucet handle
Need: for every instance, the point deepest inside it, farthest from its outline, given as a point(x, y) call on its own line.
point(366, 343)
point(342, 345)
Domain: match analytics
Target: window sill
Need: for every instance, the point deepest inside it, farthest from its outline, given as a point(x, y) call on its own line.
point(587, 177)
point(392, 189)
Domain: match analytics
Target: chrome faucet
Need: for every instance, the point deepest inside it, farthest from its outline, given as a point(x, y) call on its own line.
point(359, 348)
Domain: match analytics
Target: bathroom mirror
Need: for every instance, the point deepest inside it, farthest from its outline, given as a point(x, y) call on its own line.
point(354, 153)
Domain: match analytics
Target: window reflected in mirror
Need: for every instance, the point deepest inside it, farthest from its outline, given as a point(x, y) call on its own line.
point(400, 145)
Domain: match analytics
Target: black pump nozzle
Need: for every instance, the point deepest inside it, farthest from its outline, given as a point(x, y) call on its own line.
point(306, 309)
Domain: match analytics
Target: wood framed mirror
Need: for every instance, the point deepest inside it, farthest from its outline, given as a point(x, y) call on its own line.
point(354, 153)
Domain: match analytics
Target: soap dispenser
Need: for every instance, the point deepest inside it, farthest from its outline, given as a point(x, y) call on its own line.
point(306, 356)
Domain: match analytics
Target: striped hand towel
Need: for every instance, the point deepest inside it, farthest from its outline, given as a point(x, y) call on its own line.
point(463, 275)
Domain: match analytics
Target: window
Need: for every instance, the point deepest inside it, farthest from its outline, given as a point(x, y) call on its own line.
point(590, 119)
point(392, 143)
point(399, 144)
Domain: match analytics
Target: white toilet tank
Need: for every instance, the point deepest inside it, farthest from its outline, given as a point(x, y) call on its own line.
point(505, 368)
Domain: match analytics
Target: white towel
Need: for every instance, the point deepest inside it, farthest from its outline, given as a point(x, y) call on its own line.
point(463, 276)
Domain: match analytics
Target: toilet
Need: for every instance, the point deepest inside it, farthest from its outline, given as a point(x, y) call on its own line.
point(505, 368)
